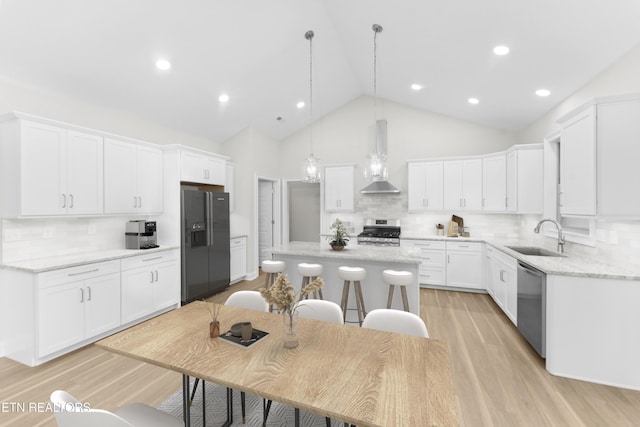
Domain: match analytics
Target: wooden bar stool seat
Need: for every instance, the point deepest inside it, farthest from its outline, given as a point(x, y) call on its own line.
point(309, 272)
point(398, 278)
point(355, 275)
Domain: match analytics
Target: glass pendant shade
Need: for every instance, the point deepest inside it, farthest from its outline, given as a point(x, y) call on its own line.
point(311, 168)
point(376, 169)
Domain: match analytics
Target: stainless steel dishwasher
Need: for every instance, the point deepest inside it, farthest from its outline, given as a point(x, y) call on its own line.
point(532, 293)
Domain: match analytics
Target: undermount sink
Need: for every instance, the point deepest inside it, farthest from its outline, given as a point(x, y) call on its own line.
point(534, 250)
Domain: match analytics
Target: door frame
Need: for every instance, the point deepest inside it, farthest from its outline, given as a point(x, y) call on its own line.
point(277, 215)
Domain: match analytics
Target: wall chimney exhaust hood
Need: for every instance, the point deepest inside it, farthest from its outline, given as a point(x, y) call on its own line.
point(378, 166)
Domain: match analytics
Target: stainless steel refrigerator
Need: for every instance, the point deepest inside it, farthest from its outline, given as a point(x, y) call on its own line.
point(205, 243)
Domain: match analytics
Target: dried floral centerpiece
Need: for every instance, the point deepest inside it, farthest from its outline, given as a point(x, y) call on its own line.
point(283, 295)
point(214, 311)
point(339, 236)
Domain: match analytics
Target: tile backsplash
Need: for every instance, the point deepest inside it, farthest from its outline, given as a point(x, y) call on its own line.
point(25, 239)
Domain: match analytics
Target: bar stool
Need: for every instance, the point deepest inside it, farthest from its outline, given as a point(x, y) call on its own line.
point(309, 272)
point(355, 275)
point(272, 268)
point(398, 278)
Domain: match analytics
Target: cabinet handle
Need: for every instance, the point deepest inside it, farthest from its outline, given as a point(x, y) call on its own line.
point(64, 200)
point(135, 202)
point(152, 259)
point(156, 275)
point(83, 272)
point(204, 173)
point(460, 202)
point(151, 281)
point(81, 295)
point(139, 201)
point(502, 275)
point(71, 198)
point(448, 259)
point(506, 202)
point(89, 293)
point(464, 202)
point(483, 199)
point(463, 246)
point(427, 200)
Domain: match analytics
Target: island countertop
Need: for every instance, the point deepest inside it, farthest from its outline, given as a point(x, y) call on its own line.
point(354, 252)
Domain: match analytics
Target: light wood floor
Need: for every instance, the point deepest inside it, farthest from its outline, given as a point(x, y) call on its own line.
point(499, 379)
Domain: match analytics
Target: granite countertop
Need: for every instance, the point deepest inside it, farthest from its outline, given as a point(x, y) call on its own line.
point(40, 265)
point(567, 265)
point(352, 251)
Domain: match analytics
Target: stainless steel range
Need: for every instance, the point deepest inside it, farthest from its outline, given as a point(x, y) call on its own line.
point(380, 232)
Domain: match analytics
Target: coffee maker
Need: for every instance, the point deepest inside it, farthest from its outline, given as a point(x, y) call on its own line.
point(141, 234)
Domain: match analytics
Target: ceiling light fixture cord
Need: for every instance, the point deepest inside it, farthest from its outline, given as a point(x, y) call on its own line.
point(309, 36)
point(376, 29)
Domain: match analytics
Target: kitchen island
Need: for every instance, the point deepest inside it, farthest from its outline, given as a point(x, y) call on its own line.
point(374, 259)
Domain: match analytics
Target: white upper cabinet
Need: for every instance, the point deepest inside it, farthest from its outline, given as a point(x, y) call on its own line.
point(525, 170)
point(463, 185)
point(599, 154)
point(338, 188)
point(49, 170)
point(618, 152)
point(199, 168)
point(578, 164)
point(494, 185)
point(133, 178)
point(425, 183)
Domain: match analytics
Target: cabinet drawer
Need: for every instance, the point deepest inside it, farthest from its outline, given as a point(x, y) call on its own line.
point(238, 241)
point(432, 258)
point(81, 272)
point(424, 244)
point(429, 276)
point(150, 259)
point(464, 246)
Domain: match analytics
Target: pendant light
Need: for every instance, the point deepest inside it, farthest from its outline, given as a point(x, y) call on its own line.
point(376, 169)
point(311, 167)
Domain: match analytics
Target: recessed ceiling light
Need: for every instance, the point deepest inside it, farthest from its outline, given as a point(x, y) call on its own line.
point(501, 50)
point(163, 64)
point(543, 92)
point(416, 86)
point(223, 98)
point(300, 104)
point(473, 101)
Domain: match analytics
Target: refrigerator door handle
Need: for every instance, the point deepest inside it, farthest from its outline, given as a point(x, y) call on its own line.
point(209, 218)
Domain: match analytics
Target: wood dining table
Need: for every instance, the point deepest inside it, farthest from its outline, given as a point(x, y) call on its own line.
point(355, 375)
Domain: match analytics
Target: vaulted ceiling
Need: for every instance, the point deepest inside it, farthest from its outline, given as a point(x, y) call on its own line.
point(104, 52)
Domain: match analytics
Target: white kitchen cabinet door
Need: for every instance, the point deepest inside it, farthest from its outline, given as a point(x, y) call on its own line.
point(425, 183)
point(137, 293)
point(101, 304)
point(578, 164)
point(149, 180)
point(84, 174)
point(338, 188)
point(216, 171)
point(60, 317)
point(133, 178)
point(494, 183)
point(618, 154)
point(463, 185)
point(238, 259)
point(120, 177)
point(530, 178)
point(505, 284)
point(464, 265)
point(166, 288)
point(512, 182)
point(488, 271)
point(42, 169)
point(202, 169)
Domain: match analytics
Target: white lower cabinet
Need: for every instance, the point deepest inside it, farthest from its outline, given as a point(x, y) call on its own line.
point(85, 305)
point(238, 259)
point(464, 265)
point(432, 270)
point(149, 283)
point(502, 282)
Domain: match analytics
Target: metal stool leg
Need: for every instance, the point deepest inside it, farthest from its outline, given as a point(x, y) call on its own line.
point(361, 297)
point(345, 299)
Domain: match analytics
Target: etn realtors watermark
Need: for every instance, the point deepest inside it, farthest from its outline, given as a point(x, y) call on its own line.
point(11, 407)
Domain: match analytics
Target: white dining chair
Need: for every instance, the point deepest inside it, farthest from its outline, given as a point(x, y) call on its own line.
point(317, 309)
point(390, 320)
point(70, 412)
point(251, 300)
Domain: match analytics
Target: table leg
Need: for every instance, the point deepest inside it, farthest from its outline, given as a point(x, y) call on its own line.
point(297, 415)
point(186, 413)
point(229, 420)
point(204, 407)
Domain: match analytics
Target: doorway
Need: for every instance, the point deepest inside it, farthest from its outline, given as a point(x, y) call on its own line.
point(266, 216)
point(303, 209)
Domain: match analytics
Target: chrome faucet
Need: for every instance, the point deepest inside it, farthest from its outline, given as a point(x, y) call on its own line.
point(560, 235)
